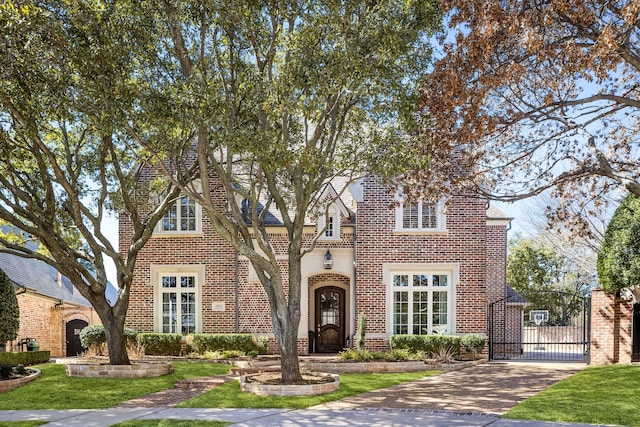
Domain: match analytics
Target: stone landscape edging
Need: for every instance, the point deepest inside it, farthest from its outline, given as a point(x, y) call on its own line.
point(6, 385)
point(135, 370)
point(339, 367)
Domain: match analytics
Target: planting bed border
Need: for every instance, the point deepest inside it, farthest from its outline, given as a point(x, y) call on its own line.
point(290, 390)
point(135, 370)
point(6, 385)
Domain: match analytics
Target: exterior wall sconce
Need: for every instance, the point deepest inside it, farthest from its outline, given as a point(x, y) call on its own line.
point(328, 260)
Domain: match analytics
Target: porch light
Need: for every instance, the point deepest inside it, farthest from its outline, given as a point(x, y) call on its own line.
point(328, 260)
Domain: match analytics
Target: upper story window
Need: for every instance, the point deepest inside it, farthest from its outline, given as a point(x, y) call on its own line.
point(330, 223)
point(183, 217)
point(420, 216)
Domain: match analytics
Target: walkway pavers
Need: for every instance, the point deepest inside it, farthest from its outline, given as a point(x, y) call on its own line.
point(490, 388)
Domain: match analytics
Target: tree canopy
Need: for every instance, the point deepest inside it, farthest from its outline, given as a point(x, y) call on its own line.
point(279, 101)
point(546, 279)
point(531, 95)
point(67, 102)
point(9, 311)
point(619, 258)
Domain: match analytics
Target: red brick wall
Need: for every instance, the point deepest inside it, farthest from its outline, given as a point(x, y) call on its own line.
point(611, 321)
point(464, 243)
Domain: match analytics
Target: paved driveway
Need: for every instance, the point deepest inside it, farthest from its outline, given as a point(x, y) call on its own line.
point(490, 388)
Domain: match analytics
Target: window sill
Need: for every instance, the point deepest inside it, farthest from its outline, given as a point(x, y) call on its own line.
point(170, 234)
point(430, 232)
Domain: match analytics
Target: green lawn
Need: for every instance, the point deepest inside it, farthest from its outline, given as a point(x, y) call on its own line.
point(55, 390)
point(230, 396)
point(21, 423)
point(596, 395)
point(171, 423)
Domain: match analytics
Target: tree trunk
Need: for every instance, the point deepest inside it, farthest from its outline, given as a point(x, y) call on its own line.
point(116, 339)
point(289, 363)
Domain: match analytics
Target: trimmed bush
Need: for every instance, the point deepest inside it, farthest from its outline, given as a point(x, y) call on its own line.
point(160, 344)
point(431, 345)
point(93, 338)
point(474, 343)
point(25, 358)
point(246, 343)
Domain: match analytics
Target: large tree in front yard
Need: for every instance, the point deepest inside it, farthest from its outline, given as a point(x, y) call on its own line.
point(281, 98)
point(536, 95)
point(66, 97)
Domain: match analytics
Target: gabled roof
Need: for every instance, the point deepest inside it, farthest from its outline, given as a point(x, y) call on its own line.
point(514, 298)
point(41, 278)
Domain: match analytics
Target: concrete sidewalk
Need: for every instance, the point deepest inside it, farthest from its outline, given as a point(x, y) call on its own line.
point(472, 397)
point(315, 417)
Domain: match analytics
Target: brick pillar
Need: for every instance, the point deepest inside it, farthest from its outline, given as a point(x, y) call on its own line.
point(611, 320)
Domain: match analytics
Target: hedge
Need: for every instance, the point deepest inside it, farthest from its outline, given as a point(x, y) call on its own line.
point(430, 344)
point(25, 358)
point(246, 343)
point(160, 344)
point(94, 337)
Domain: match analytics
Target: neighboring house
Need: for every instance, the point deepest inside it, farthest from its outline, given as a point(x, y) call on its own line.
point(52, 311)
point(416, 269)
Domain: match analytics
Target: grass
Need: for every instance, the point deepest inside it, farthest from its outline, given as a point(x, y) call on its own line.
point(171, 423)
point(229, 395)
point(21, 423)
point(597, 395)
point(55, 390)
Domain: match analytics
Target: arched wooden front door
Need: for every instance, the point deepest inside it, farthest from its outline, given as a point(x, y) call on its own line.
point(74, 346)
point(329, 319)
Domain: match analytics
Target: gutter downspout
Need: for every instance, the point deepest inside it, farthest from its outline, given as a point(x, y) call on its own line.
point(355, 280)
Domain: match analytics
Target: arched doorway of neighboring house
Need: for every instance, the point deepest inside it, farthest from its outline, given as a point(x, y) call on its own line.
point(329, 319)
point(74, 346)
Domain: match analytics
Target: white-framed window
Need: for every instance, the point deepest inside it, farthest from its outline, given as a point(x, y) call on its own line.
point(420, 300)
point(177, 298)
point(420, 216)
point(330, 223)
point(183, 217)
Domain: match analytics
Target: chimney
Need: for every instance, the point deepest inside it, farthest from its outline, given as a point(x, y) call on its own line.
point(59, 278)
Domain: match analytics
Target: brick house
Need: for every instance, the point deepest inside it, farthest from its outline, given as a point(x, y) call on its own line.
point(52, 311)
point(418, 269)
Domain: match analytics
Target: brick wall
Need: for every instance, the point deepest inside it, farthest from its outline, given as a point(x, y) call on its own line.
point(463, 244)
point(41, 318)
point(611, 321)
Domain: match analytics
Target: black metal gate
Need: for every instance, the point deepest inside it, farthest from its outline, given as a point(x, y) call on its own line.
point(546, 326)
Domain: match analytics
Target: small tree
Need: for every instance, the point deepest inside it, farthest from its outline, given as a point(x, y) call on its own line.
point(619, 258)
point(9, 311)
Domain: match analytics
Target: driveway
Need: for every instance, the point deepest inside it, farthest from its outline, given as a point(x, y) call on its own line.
point(490, 388)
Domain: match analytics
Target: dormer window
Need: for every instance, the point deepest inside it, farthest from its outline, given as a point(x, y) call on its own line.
point(420, 216)
point(329, 231)
point(330, 222)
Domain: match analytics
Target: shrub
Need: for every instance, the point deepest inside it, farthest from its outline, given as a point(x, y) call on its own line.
point(361, 331)
point(5, 371)
point(9, 311)
point(474, 343)
point(431, 345)
point(160, 344)
point(94, 339)
point(24, 358)
point(393, 355)
point(246, 343)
